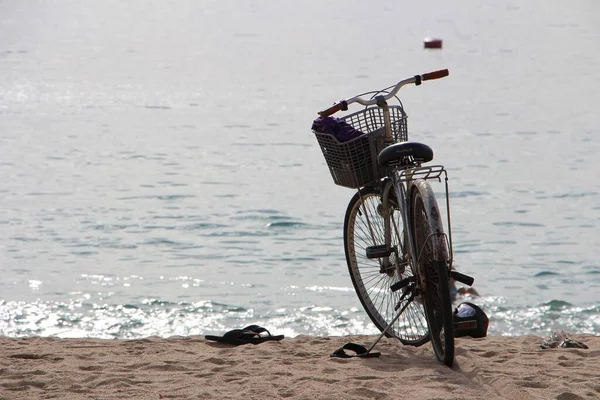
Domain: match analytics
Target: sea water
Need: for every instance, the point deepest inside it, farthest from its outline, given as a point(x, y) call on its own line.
point(159, 175)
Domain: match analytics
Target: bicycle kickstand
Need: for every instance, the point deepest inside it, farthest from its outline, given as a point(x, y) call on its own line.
point(382, 334)
point(361, 351)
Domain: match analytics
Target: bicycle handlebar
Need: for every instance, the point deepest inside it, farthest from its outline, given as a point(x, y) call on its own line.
point(440, 73)
point(417, 79)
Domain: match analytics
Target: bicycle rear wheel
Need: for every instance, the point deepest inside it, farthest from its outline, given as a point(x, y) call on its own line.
point(432, 260)
point(372, 278)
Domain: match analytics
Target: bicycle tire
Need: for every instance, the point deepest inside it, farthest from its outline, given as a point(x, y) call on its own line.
point(363, 227)
point(432, 255)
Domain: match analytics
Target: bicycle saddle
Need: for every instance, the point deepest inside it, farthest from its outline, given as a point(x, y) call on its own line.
point(405, 153)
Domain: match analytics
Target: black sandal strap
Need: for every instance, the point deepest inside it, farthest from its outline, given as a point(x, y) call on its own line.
point(359, 351)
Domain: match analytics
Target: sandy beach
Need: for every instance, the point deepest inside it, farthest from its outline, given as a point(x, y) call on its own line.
point(494, 367)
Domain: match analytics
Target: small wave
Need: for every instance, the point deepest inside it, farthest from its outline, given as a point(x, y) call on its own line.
point(467, 193)
point(568, 262)
point(258, 215)
point(556, 305)
point(162, 242)
point(203, 225)
point(25, 239)
point(593, 272)
point(284, 144)
point(169, 197)
point(240, 233)
point(573, 195)
point(519, 223)
point(49, 194)
point(545, 273)
point(285, 224)
point(234, 126)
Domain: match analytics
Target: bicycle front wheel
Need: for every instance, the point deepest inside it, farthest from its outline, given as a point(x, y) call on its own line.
point(372, 277)
point(432, 263)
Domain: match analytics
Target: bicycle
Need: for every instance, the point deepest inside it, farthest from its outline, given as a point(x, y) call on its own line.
point(398, 255)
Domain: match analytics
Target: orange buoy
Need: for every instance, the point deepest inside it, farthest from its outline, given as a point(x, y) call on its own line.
point(432, 43)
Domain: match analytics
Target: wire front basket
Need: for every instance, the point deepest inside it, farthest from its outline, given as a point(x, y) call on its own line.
point(353, 163)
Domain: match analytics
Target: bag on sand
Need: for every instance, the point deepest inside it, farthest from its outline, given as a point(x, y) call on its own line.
point(470, 320)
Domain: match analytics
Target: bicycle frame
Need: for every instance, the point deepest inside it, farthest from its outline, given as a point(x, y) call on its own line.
point(400, 181)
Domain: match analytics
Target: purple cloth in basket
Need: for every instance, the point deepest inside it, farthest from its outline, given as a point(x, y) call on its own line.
point(341, 130)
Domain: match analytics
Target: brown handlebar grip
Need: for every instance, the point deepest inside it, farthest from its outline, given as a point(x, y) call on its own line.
point(435, 74)
point(333, 109)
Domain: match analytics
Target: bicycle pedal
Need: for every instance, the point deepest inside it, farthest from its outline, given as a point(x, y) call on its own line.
point(462, 278)
point(379, 251)
point(402, 283)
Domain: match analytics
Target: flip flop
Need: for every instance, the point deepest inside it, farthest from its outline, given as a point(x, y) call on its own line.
point(238, 337)
point(257, 329)
point(359, 351)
